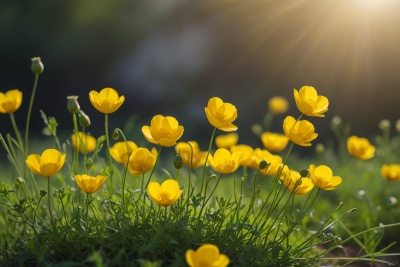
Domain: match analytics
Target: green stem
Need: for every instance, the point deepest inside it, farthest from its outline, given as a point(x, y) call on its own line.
point(152, 171)
point(77, 138)
point(205, 195)
point(190, 174)
point(166, 212)
point(17, 133)
point(109, 154)
point(29, 113)
point(84, 148)
point(205, 163)
point(87, 209)
point(126, 168)
point(49, 198)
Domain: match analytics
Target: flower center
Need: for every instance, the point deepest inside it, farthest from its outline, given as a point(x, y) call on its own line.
point(220, 116)
point(164, 133)
point(224, 162)
point(297, 131)
point(165, 195)
point(311, 103)
point(141, 164)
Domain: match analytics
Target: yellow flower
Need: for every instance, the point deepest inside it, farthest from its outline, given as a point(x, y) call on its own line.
point(206, 256)
point(310, 103)
point(141, 160)
point(227, 141)
point(301, 133)
point(46, 165)
point(323, 178)
point(164, 131)
point(223, 161)
point(90, 184)
point(278, 105)
point(107, 101)
point(274, 142)
point(165, 194)
point(360, 147)
point(119, 153)
point(221, 115)
point(290, 178)
point(248, 157)
point(391, 172)
point(10, 101)
point(199, 157)
point(90, 145)
point(274, 160)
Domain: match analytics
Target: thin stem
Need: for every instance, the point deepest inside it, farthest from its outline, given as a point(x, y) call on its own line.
point(17, 133)
point(49, 199)
point(77, 154)
point(166, 212)
point(205, 194)
point(109, 154)
point(126, 168)
point(85, 150)
point(190, 173)
point(87, 209)
point(29, 113)
point(152, 171)
point(205, 163)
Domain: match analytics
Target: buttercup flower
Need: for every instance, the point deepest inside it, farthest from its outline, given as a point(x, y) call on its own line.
point(206, 256)
point(199, 157)
point(221, 115)
point(141, 160)
point(227, 140)
point(248, 157)
point(46, 165)
point(391, 172)
point(224, 162)
point(10, 101)
point(165, 194)
point(274, 161)
point(278, 105)
point(301, 133)
point(323, 178)
point(107, 101)
point(360, 147)
point(164, 131)
point(88, 140)
point(274, 142)
point(90, 184)
point(119, 153)
point(310, 103)
point(290, 178)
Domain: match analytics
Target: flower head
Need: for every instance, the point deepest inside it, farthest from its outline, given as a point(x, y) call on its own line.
point(164, 131)
point(248, 156)
point(323, 178)
point(221, 115)
point(199, 157)
point(46, 165)
point(360, 148)
point(274, 142)
point(107, 101)
point(290, 178)
point(227, 141)
point(274, 161)
point(141, 160)
point(391, 172)
point(90, 184)
point(10, 101)
point(278, 104)
point(301, 133)
point(88, 140)
point(225, 162)
point(206, 256)
point(310, 103)
point(165, 194)
point(119, 153)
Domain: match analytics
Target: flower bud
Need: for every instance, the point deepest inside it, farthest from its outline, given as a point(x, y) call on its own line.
point(89, 163)
point(263, 164)
point(101, 139)
point(178, 161)
point(84, 120)
point(73, 105)
point(384, 124)
point(115, 134)
point(43, 193)
point(320, 148)
point(304, 173)
point(336, 120)
point(341, 205)
point(37, 65)
point(257, 129)
point(210, 176)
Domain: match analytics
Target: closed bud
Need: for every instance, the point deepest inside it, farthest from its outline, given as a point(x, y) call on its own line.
point(244, 178)
point(320, 148)
point(101, 139)
point(178, 161)
point(263, 164)
point(84, 120)
point(89, 163)
point(304, 173)
point(384, 124)
point(211, 176)
point(73, 105)
point(37, 65)
point(43, 193)
point(115, 134)
point(257, 129)
point(341, 205)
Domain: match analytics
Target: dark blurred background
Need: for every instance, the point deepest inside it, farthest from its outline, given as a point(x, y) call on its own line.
point(170, 57)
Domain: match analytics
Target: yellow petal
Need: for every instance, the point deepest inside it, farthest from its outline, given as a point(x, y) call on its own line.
point(34, 163)
point(208, 252)
point(154, 190)
point(323, 171)
point(189, 257)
